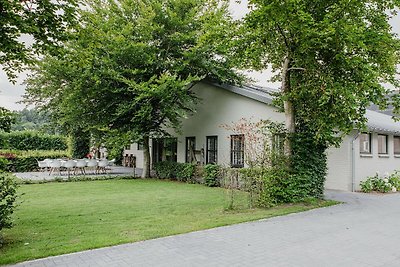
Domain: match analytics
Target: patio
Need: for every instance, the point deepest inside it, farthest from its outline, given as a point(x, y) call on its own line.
point(44, 176)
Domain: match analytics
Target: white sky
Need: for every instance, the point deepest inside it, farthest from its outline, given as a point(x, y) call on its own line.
point(10, 94)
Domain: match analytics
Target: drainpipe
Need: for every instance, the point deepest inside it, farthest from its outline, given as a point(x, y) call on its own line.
point(353, 162)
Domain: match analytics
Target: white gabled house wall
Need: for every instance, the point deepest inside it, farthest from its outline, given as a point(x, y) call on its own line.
point(219, 106)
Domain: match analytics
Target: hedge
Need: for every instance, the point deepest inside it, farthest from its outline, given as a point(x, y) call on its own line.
point(29, 140)
point(175, 171)
point(26, 161)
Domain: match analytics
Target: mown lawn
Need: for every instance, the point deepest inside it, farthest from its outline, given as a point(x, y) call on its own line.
point(58, 218)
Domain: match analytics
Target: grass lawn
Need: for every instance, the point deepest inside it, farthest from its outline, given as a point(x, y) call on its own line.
point(58, 218)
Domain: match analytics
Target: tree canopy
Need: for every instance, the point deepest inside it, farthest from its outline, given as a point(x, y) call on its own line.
point(42, 22)
point(332, 56)
point(7, 118)
point(132, 64)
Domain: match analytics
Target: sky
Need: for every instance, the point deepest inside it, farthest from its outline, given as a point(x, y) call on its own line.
point(10, 94)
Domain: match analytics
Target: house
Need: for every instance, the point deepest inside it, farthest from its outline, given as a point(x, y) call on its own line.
point(204, 140)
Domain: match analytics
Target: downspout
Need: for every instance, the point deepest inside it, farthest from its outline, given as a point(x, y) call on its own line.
point(353, 162)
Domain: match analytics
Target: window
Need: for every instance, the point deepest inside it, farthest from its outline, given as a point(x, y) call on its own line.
point(164, 149)
point(382, 144)
point(212, 150)
point(237, 151)
point(396, 145)
point(278, 143)
point(139, 146)
point(190, 149)
point(365, 143)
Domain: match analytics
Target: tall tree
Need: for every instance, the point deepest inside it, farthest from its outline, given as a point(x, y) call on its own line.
point(332, 57)
point(39, 22)
point(7, 118)
point(132, 64)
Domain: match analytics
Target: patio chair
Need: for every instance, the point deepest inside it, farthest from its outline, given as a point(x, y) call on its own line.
point(55, 165)
point(70, 165)
point(102, 166)
point(92, 165)
point(81, 165)
point(42, 165)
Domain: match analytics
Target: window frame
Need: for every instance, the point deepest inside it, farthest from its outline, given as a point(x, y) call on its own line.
point(369, 145)
point(213, 151)
point(386, 144)
point(394, 150)
point(187, 148)
point(238, 152)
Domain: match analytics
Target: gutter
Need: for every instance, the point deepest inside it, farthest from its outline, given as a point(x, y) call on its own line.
point(353, 162)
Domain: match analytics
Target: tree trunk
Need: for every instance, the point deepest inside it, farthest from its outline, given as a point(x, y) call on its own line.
point(287, 103)
point(146, 158)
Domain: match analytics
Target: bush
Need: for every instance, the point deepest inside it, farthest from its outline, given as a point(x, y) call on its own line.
point(8, 195)
point(3, 164)
point(26, 161)
point(211, 174)
point(175, 171)
point(28, 140)
point(382, 185)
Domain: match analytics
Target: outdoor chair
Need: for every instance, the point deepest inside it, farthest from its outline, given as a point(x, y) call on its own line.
point(92, 165)
point(102, 166)
point(70, 165)
point(81, 165)
point(42, 165)
point(55, 165)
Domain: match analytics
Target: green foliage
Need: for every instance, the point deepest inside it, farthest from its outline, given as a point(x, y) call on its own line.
point(33, 120)
point(175, 171)
point(308, 163)
point(80, 143)
point(211, 175)
point(45, 21)
point(383, 185)
point(26, 161)
point(8, 196)
point(7, 118)
point(32, 141)
point(3, 164)
point(339, 54)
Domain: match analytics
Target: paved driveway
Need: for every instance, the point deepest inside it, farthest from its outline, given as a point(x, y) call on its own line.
point(365, 231)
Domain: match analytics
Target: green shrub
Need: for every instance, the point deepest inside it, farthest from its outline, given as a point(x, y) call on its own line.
point(367, 186)
point(165, 169)
point(175, 171)
point(26, 161)
point(382, 185)
point(8, 195)
point(3, 164)
point(211, 175)
point(185, 172)
point(394, 180)
point(29, 140)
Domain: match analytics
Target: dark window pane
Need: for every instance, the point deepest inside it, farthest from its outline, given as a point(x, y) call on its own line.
point(212, 150)
point(237, 151)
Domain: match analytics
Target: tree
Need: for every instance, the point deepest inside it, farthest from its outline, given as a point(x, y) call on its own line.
point(43, 21)
point(7, 118)
point(332, 57)
point(131, 66)
point(33, 119)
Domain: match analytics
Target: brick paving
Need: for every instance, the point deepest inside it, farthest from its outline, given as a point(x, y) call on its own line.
point(365, 231)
